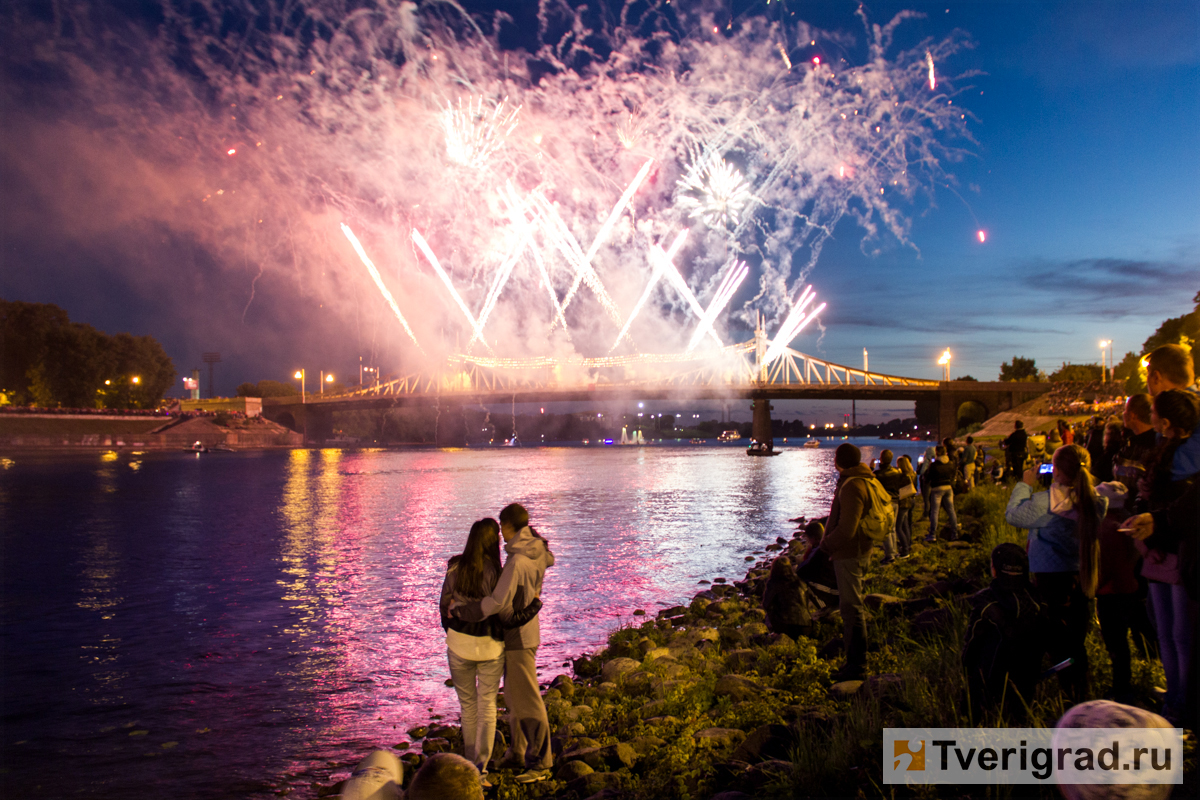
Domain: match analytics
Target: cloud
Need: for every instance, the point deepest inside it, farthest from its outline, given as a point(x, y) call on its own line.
point(1112, 286)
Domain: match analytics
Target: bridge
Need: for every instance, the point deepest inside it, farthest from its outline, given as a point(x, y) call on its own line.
point(738, 371)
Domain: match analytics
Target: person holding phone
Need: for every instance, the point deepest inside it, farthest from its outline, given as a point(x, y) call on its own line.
point(1063, 520)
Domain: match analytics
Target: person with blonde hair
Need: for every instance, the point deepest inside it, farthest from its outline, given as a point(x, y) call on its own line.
point(1063, 520)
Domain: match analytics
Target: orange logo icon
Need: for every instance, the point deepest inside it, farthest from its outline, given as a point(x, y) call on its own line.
point(904, 751)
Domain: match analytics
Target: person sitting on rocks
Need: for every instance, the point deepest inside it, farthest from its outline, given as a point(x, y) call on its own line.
point(446, 776)
point(816, 570)
point(1006, 637)
point(784, 601)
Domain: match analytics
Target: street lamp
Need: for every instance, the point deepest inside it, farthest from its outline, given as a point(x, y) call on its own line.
point(1103, 344)
point(324, 380)
point(945, 362)
point(300, 374)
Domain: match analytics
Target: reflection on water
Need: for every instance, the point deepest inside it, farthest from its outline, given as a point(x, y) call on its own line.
point(238, 624)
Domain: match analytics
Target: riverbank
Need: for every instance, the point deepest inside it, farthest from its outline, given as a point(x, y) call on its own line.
point(703, 701)
point(29, 431)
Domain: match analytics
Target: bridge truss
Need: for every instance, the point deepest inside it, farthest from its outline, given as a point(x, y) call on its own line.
point(738, 367)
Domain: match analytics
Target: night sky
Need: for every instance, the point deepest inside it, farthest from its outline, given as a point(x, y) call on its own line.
point(1084, 177)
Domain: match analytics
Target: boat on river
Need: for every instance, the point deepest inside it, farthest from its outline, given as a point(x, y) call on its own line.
point(812, 443)
point(729, 436)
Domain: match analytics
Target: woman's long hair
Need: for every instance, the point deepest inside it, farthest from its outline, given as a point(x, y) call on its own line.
point(479, 563)
point(905, 465)
point(1073, 462)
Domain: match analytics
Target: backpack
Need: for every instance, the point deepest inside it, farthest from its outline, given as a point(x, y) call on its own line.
point(879, 519)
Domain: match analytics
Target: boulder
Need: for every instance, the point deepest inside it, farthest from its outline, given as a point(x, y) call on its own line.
point(765, 743)
point(845, 688)
point(666, 721)
point(655, 653)
point(754, 629)
point(673, 611)
point(609, 757)
point(645, 645)
point(570, 770)
point(737, 688)
point(434, 745)
point(593, 783)
point(418, 732)
point(719, 738)
point(877, 600)
point(741, 660)
point(617, 667)
point(645, 745)
point(564, 685)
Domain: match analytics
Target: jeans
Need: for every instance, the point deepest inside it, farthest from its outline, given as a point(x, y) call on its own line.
point(1119, 616)
point(477, 683)
point(1169, 603)
point(1070, 615)
point(526, 711)
point(969, 475)
point(849, 573)
point(889, 542)
point(942, 496)
point(904, 528)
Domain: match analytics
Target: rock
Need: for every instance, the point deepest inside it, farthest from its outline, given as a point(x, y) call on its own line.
point(732, 638)
point(845, 688)
point(959, 545)
point(736, 688)
point(617, 667)
point(662, 722)
point(810, 717)
point(780, 540)
point(877, 600)
point(637, 612)
point(578, 712)
point(754, 628)
point(586, 666)
point(645, 745)
point(432, 745)
point(645, 645)
point(592, 784)
point(688, 639)
point(618, 755)
point(608, 688)
point(741, 660)
point(551, 695)
point(748, 558)
point(564, 684)
point(444, 731)
point(413, 760)
point(771, 548)
point(577, 729)
point(718, 580)
point(656, 653)
point(719, 738)
point(571, 770)
point(653, 709)
point(757, 613)
point(401, 746)
point(673, 611)
point(418, 732)
point(1105, 714)
point(765, 743)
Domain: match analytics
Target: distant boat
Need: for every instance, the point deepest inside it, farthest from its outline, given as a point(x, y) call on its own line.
point(812, 443)
point(513, 442)
point(697, 441)
point(634, 438)
point(762, 449)
point(729, 436)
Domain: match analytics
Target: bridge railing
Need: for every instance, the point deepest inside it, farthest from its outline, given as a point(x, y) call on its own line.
point(734, 366)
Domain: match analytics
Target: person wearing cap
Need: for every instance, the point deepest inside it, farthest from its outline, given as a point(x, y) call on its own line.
point(1006, 637)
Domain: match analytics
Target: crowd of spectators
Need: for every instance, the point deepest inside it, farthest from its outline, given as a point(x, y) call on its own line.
point(1076, 398)
point(107, 412)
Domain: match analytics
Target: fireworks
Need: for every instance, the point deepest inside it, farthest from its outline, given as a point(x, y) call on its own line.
point(473, 134)
point(981, 235)
point(375, 276)
point(714, 192)
point(929, 64)
point(793, 324)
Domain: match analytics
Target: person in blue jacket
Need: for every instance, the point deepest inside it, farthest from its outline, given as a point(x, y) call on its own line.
point(1063, 521)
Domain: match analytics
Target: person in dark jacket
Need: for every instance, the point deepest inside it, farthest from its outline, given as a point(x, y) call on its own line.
point(849, 548)
point(783, 600)
point(1006, 637)
point(1016, 450)
point(892, 479)
point(941, 494)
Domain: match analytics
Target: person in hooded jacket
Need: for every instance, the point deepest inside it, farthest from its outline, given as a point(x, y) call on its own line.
point(1006, 637)
point(940, 478)
point(1063, 522)
point(519, 586)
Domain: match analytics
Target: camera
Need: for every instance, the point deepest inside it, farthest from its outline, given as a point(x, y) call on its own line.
point(1046, 474)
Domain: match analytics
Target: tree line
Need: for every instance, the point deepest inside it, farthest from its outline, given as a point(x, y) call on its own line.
point(1184, 330)
point(48, 361)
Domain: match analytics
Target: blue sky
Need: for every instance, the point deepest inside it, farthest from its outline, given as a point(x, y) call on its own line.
point(1085, 177)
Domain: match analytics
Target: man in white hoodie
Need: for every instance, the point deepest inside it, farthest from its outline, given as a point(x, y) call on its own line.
point(520, 584)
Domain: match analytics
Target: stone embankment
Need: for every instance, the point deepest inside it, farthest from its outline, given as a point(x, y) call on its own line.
point(703, 700)
point(84, 431)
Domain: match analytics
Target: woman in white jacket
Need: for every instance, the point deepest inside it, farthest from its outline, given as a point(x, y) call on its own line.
point(475, 649)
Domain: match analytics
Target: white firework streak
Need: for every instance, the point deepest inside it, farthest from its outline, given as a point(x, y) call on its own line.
point(613, 216)
point(932, 77)
point(558, 232)
point(437, 267)
point(522, 226)
point(793, 324)
point(375, 276)
point(669, 258)
point(725, 292)
point(723, 192)
point(472, 135)
point(660, 258)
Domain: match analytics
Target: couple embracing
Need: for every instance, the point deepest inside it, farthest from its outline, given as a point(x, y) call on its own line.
point(490, 615)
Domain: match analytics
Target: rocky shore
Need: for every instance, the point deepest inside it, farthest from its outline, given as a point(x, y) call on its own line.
point(703, 701)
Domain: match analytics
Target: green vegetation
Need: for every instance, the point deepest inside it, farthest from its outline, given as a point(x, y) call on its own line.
point(1184, 330)
point(1021, 369)
point(47, 360)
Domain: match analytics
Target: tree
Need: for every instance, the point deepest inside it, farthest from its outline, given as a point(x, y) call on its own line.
point(967, 378)
point(1078, 372)
point(1021, 369)
point(1130, 370)
point(1184, 330)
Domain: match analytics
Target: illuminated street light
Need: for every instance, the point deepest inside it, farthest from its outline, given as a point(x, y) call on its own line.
point(1103, 344)
point(945, 362)
point(325, 379)
point(137, 379)
point(300, 375)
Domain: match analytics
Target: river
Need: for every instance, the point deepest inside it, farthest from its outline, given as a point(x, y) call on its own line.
point(240, 624)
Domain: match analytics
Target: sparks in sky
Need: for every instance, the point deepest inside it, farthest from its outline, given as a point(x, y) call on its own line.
point(932, 77)
point(982, 236)
point(473, 133)
point(716, 192)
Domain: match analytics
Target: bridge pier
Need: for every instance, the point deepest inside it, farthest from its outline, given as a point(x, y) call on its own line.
point(760, 429)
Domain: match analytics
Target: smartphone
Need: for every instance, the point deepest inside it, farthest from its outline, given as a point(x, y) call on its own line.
point(1046, 473)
